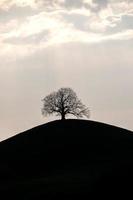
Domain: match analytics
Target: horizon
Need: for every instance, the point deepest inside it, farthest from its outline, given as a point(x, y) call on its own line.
point(55, 121)
point(86, 45)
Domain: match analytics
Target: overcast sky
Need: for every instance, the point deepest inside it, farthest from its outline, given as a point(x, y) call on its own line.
point(83, 44)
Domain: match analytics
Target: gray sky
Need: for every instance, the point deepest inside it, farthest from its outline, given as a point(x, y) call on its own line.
point(83, 44)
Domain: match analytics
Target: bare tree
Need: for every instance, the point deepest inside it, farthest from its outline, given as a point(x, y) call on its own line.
point(64, 102)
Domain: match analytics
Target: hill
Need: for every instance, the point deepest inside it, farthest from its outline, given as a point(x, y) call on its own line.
point(66, 160)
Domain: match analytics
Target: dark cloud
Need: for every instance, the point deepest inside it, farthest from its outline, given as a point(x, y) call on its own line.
point(77, 20)
point(16, 12)
point(125, 23)
point(80, 3)
point(101, 3)
point(73, 3)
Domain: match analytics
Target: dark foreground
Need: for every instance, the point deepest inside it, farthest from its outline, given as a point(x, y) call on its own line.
point(67, 160)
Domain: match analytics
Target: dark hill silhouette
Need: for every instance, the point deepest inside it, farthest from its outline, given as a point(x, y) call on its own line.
point(67, 159)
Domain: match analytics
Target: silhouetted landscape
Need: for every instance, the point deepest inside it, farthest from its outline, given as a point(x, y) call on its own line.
point(70, 59)
point(66, 160)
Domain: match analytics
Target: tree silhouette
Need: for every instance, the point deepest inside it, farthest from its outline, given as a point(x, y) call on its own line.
point(62, 103)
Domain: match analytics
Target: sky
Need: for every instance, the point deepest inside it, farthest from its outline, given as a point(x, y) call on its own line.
point(86, 45)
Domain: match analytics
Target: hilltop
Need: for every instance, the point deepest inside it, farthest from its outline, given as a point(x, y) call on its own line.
point(67, 159)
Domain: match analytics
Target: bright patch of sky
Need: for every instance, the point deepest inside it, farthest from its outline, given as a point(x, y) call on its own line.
point(83, 44)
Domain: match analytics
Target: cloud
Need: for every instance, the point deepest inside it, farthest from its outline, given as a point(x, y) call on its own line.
point(7, 4)
point(34, 4)
point(110, 15)
point(43, 29)
point(124, 35)
point(62, 21)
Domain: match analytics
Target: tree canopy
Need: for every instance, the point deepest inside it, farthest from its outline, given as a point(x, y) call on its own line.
point(64, 102)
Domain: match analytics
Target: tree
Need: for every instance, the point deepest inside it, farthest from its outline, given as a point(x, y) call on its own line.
point(64, 102)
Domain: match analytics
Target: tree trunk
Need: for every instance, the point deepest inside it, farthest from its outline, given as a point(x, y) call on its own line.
point(62, 116)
